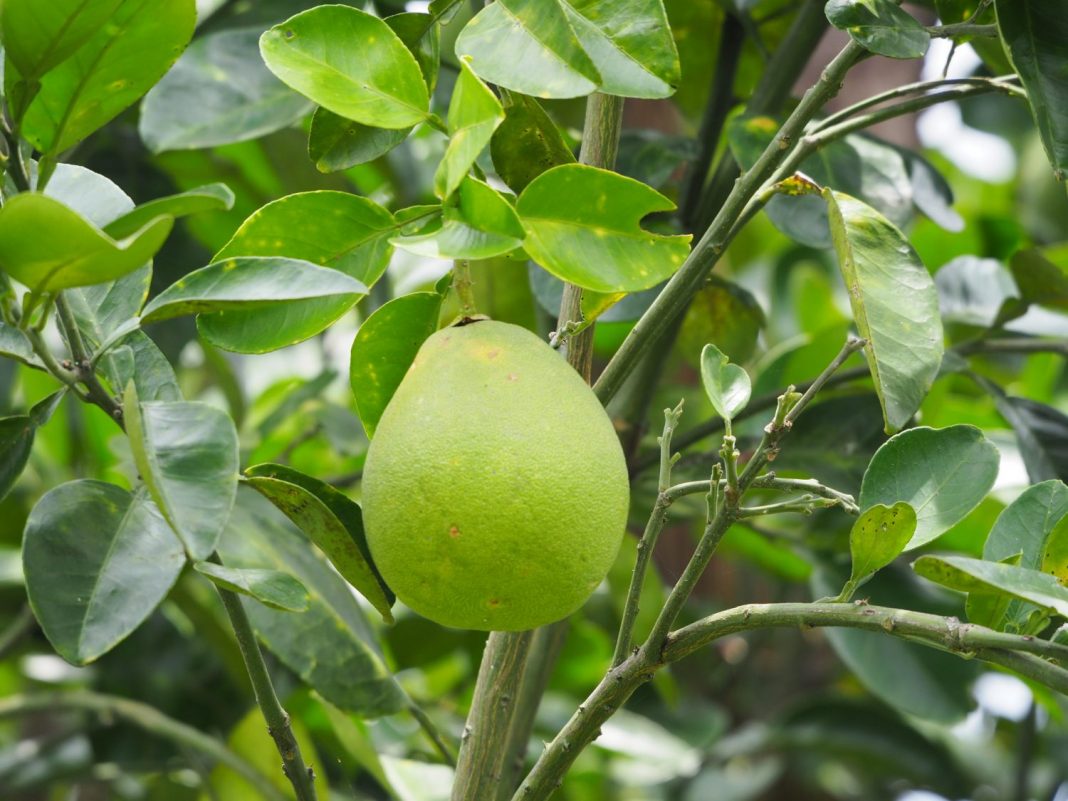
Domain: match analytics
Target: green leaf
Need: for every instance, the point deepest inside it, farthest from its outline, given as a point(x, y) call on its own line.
point(332, 646)
point(965, 574)
point(98, 560)
point(941, 473)
point(1055, 552)
point(385, 347)
point(1023, 533)
point(1034, 33)
point(309, 510)
point(630, 44)
point(1042, 275)
point(725, 313)
point(528, 46)
point(334, 229)
point(16, 439)
point(135, 357)
point(48, 246)
point(272, 588)
point(422, 36)
point(335, 143)
point(118, 64)
point(16, 442)
point(527, 143)
point(239, 284)
point(481, 225)
point(15, 345)
point(895, 305)
point(474, 114)
point(583, 226)
point(39, 36)
point(187, 456)
point(350, 63)
point(218, 93)
point(880, 27)
point(211, 197)
point(727, 385)
point(975, 291)
point(878, 537)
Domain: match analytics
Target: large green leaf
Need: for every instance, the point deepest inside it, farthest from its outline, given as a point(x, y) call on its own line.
point(895, 305)
point(528, 46)
point(210, 197)
point(187, 456)
point(479, 224)
point(332, 521)
point(272, 588)
point(335, 143)
point(630, 44)
point(474, 114)
point(880, 26)
point(384, 349)
point(332, 647)
point(98, 560)
point(219, 92)
point(1022, 533)
point(107, 74)
point(977, 575)
point(527, 143)
point(350, 63)
point(48, 246)
point(135, 357)
point(239, 284)
point(333, 229)
point(942, 473)
point(39, 36)
point(1035, 32)
point(583, 226)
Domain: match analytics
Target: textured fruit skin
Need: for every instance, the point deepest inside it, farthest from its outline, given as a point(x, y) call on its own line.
point(495, 490)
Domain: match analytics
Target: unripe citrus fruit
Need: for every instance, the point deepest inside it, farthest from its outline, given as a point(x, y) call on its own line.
point(495, 490)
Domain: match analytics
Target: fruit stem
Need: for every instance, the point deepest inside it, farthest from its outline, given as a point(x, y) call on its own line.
point(464, 287)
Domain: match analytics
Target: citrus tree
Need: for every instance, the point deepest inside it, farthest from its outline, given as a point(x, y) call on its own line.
point(206, 528)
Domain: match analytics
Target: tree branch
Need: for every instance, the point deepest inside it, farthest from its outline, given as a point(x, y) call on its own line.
point(146, 717)
point(684, 284)
point(301, 777)
point(480, 768)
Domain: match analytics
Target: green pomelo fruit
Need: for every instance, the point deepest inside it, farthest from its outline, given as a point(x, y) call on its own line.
point(495, 490)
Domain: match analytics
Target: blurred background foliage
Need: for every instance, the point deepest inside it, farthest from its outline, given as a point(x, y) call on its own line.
point(775, 715)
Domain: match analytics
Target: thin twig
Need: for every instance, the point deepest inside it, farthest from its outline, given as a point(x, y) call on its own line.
point(300, 776)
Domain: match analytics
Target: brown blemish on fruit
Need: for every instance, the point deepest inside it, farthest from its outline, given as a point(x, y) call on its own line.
point(513, 377)
point(494, 602)
point(454, 532)
point(493, 354)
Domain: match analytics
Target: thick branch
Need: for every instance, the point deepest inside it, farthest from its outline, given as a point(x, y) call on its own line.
point(480, 768)
point(688, 280)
